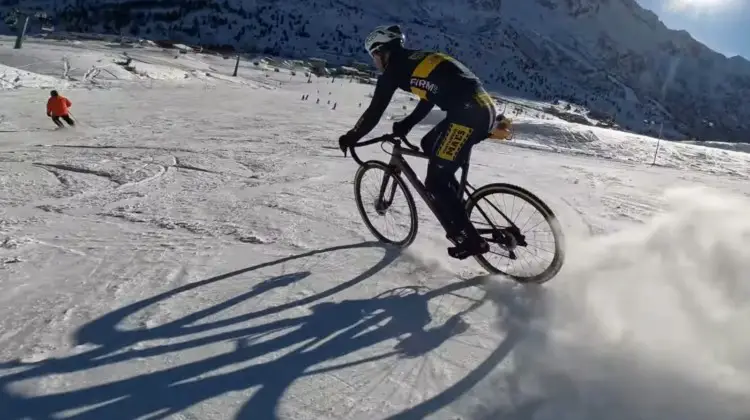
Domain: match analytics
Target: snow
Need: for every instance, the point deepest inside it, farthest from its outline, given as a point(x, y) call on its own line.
point(613, 57)
point(192, 249)
point(11, 78)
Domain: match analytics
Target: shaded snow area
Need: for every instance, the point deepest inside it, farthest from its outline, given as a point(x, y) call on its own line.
point(192, 250)
point(11, 78)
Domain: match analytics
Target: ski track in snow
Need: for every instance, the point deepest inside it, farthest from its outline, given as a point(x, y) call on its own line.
point(192, 250)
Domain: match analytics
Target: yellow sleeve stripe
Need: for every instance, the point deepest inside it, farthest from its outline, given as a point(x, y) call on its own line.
point(426, 66)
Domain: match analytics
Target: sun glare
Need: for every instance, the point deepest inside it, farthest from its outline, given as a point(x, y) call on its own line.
point(702, 6)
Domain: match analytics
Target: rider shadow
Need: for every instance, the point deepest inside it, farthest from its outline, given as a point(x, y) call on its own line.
point(327, 332)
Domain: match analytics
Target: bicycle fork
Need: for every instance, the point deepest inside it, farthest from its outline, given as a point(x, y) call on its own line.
point(382, 204)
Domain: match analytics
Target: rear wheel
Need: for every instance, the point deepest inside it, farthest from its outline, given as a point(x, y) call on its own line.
point(384, 200)
point(492, 209)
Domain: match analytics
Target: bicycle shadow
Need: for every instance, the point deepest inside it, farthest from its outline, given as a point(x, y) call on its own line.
point(329, 331)
point(517, 305)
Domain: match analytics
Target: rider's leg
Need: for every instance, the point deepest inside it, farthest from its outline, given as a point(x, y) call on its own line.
point(439, 182)
point(462, 130)
point(429, 144)
point(430, 140)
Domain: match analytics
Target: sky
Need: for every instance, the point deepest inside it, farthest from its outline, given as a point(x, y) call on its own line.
point(722, 25)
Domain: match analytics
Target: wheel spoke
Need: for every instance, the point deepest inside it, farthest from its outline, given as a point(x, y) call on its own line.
point(394, 223)
point(533, 260)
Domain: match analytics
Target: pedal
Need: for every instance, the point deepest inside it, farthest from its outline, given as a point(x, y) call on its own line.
point(463, 253)
point(459, 254)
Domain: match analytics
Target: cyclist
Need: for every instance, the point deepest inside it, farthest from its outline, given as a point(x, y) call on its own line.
point(437, 79)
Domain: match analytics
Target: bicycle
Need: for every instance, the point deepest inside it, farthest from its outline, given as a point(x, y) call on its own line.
point(508, 238)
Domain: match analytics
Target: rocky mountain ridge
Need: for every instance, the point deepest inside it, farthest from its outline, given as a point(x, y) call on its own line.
point(611, 56)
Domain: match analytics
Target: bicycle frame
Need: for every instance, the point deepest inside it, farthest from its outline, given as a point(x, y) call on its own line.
point(507, 237)
point(400, 165)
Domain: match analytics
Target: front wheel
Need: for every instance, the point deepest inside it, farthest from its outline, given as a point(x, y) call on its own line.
point(492, 209)
point(387, 201)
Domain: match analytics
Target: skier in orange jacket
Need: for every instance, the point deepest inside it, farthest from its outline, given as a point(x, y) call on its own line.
point(57, 107)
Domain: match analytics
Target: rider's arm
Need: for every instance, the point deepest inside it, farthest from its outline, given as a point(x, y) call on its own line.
point(384, 90)
point(420, 111)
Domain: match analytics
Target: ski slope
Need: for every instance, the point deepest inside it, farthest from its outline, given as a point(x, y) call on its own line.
point(192, 250)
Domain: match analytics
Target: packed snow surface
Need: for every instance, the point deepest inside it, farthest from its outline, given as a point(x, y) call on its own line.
point(192, 250)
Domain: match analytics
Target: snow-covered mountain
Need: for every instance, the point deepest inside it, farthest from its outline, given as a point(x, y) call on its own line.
point(193, 250)
point(611, 56)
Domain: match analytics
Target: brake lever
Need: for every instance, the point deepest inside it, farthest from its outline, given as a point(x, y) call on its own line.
point(408, 144)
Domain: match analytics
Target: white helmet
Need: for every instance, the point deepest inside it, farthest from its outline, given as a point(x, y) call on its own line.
point(383, 35)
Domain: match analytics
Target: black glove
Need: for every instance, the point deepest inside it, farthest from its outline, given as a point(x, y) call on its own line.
point(346, 141)
point(401, 128)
